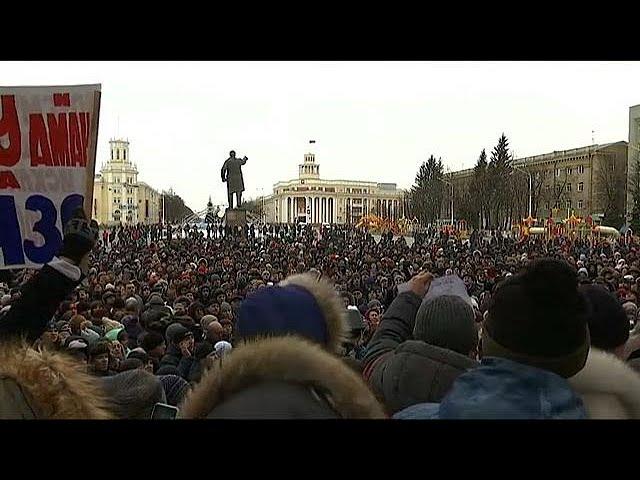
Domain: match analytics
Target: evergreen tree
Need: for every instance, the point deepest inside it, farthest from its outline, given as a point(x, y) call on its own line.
point(479, 190)
point(427, 192)
point(174, 207)
point(499, 170)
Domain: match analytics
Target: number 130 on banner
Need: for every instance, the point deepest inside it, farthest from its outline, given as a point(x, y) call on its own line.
point(48, 138)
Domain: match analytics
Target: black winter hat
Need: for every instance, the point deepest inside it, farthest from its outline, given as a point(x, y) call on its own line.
point(539, 318)
point(180, 335)
point(151, 340)
point(608, 323)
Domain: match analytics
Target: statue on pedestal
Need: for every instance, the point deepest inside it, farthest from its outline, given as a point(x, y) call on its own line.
point(232, 174)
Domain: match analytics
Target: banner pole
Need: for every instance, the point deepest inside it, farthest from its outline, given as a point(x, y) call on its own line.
point(93, 149)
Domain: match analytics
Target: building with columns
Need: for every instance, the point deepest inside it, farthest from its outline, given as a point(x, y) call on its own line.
point(310, 199)
point(118, 196)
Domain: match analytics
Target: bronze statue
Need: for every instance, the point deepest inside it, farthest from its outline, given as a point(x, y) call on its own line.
point(232, 174)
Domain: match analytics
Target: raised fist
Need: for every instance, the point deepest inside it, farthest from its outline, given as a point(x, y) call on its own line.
point(80, 236)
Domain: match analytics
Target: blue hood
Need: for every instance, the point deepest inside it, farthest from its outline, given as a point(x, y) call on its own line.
point(503, 389)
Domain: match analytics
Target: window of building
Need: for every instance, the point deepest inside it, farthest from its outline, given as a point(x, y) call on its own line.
point(581, 169)
point(557, 172)
point(568, 203)
point(569, 170)
point(568, 187)
point(124, 154)
point(580, 204)
point(580, 186)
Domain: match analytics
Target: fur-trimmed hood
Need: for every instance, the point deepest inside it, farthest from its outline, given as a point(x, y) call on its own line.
point(330, 303)
point(46, 385)
point(609, 388)
point(289, 360)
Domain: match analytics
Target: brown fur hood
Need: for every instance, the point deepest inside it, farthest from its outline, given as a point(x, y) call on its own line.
point(329, 302)
point(609, 388)
point(46, 385)
point(289, 359)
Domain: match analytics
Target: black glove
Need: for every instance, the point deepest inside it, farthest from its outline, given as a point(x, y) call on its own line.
point(80, 236)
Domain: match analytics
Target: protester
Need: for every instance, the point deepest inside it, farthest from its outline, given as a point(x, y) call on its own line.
point(421, 347)
point(530, 346)
point(287, 364)
point(609, 388)
point(145, 284)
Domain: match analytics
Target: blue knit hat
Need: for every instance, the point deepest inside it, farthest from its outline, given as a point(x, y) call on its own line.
point(282, 310)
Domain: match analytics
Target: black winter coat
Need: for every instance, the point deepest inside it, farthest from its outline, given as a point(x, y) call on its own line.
point(38, 303)
point(187, 366)
point(403, 371)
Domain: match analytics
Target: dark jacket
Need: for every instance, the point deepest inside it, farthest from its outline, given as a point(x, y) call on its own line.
point(186, 366)
point(41, 295)
point(405, 372)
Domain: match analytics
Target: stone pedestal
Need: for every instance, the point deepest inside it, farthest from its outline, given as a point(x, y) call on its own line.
point(235, 217)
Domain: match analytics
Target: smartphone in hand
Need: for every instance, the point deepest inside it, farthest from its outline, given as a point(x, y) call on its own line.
point(162, 411)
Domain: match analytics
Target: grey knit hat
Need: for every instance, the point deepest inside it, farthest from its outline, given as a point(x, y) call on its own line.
point(133, 394)
point(447, 321)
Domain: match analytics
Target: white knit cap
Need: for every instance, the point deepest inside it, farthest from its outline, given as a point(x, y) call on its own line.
point(222, 348)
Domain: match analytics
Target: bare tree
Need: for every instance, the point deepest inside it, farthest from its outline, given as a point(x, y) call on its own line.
point(537, 186)
point(559, 186)
point(609, 192)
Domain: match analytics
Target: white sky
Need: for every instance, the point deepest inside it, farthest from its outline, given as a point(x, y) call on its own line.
point(372, 120)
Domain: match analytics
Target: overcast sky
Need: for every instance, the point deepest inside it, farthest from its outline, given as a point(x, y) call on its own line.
point(372, 120)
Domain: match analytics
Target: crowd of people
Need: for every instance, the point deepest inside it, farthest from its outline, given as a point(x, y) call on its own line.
point(283, 321)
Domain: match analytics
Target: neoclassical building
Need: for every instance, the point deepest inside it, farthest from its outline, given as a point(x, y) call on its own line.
point(118, 196)
point(310, 199)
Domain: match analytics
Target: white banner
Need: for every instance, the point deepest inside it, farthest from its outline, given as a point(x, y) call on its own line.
point(48, 138)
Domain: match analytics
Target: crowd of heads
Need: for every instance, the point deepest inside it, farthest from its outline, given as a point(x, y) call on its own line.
point(161, 305)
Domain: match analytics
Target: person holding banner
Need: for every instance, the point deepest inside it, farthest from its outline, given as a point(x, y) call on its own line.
point(43, 293)
point(43, 384)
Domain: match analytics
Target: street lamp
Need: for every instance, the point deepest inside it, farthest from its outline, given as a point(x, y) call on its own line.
point(530, 184)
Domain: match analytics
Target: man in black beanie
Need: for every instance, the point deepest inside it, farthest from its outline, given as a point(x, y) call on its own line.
point(535, 336)
point(608, 324)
